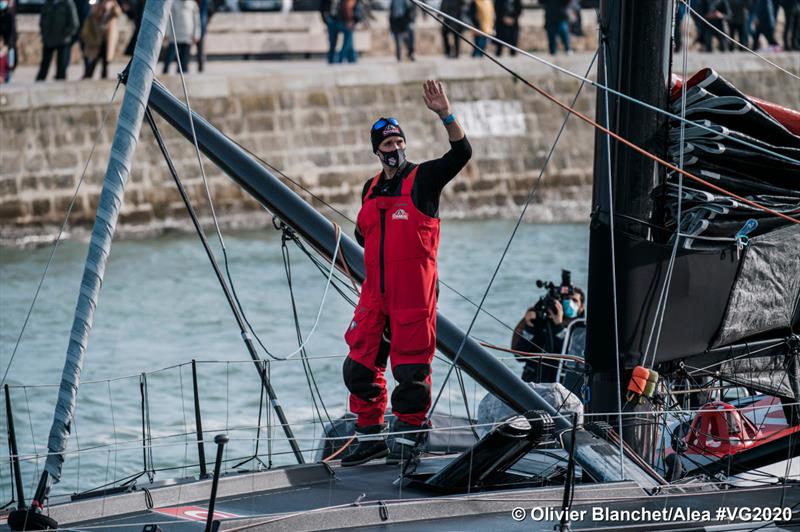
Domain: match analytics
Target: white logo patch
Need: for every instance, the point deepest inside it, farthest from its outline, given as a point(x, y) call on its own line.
point(400, 214)
point(353, 325)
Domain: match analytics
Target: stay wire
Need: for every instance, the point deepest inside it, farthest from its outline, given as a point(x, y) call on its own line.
point(218, 231)
point(71, 205)
point(307, 369)
point(661, 306)
point(531, 194)
point(615, 309)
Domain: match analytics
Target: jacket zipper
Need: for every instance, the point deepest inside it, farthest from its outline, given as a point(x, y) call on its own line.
point(383, 239)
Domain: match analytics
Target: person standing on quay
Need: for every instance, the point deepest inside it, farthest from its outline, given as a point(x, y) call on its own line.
point(455, 9)
point(8, 40)
point(186, 21)
point(58, 23)
point(507, 23)
point(556, 23)
point(401, 22)
point(99, 36)
point(484, 20)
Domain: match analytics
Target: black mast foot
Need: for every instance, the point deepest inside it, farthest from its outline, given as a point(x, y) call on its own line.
point(30, 519)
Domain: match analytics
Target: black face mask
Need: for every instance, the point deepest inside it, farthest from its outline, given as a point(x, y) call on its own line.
point(393, 159)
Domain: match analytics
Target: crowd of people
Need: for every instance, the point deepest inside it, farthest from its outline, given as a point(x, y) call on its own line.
point(752, 23)
point(93, 25)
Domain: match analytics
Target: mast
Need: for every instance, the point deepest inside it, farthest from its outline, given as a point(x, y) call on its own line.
point(635, 37)
point(139, 82)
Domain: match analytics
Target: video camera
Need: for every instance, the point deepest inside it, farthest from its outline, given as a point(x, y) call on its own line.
point(554, 293)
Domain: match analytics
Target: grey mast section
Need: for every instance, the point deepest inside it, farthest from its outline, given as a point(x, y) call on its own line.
point(137, 92)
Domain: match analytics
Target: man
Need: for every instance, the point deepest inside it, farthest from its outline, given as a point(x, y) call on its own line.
point(537, 333)
point(58, 24)
point(398, 226)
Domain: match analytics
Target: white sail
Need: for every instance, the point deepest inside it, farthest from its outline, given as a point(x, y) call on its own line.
point(140, 77)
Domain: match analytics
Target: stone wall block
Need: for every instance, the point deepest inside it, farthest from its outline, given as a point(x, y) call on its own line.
point(13, 209)
point(260, 123)
point(8, 186)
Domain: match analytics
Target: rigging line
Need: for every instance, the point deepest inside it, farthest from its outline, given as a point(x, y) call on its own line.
point(596, 85)
point(615, 310)
point(616, 136)
point(664, 296)
point(321, 303)
point(343, 215)
point(531, 194)
point(207, 189)
point(100, 130)
point(737, 43)
point(307, 369)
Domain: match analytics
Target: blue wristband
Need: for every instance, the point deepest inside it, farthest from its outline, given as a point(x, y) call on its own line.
point(449, 119)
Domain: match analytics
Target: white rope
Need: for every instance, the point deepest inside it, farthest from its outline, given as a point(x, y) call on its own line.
point(321, 303)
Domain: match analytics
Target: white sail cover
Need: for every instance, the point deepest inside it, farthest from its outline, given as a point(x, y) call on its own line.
point(137, 92)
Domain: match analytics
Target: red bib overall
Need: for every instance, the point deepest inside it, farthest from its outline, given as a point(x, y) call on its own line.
point(400, 245)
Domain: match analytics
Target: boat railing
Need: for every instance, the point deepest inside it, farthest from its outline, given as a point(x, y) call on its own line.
point(156, 425)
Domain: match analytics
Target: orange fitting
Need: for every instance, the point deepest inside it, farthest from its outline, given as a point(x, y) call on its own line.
point(638, 381)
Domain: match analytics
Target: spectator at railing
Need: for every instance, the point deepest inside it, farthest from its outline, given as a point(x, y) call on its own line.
point(206, 8)
point(401, 22)
point(556, 23)
point(507, 13)
point(58, 23)
point(186, 21)
point(484, 20)
point(8, 40)
point(99, 36)
point(341, 16)
point(454, 8)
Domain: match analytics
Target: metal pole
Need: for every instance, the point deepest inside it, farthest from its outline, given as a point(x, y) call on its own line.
point(570, 482)
point(142, 384)
point(248, 341)
point(220, 440)
point(198, 423)
point(12, 439)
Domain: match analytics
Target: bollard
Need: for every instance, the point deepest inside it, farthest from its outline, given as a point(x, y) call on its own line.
point(220, 440)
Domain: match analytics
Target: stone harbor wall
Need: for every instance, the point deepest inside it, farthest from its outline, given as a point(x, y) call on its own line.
point(312, 122)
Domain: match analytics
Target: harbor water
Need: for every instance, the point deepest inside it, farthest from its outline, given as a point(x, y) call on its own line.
point(161, 307)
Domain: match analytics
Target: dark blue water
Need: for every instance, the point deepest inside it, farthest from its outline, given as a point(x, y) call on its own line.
point(161, 307)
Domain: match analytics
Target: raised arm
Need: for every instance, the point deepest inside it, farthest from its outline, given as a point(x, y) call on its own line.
point(436, 100)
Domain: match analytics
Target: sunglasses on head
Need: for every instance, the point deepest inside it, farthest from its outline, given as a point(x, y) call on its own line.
point(381, 123)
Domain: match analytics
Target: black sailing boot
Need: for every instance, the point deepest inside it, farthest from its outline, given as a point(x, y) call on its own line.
point(402, 446)
point(371, 445)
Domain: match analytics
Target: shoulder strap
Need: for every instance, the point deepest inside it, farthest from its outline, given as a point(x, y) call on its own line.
point(371, 186)
point(408, 182)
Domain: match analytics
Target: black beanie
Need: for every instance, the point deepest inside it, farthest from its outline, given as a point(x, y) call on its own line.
point(388, 130)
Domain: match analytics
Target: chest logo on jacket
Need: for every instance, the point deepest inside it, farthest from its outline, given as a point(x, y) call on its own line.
point(400, 214)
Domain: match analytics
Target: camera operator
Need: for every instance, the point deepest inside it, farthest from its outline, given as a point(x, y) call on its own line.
point(543, 327)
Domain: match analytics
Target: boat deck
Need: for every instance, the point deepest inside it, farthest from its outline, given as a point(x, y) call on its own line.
point(319, 497)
